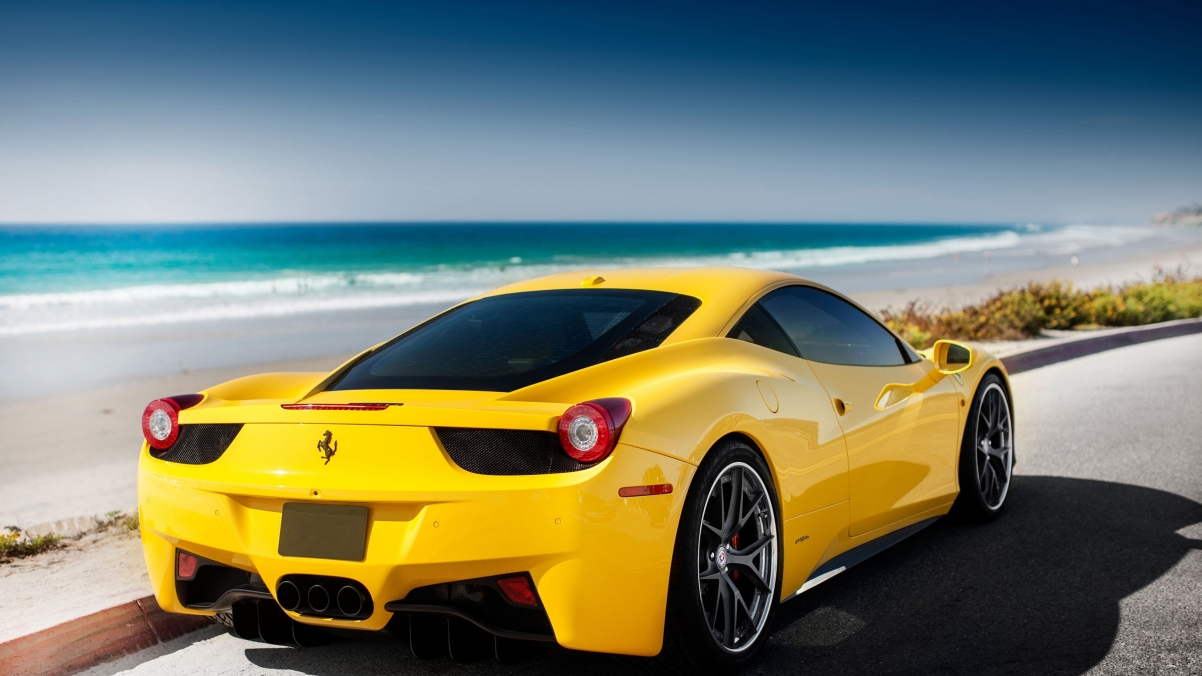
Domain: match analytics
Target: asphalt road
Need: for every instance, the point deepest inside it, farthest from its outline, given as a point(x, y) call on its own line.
point(1095, 568)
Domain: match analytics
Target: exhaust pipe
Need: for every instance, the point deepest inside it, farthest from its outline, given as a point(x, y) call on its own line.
point(350, 602)
point(319, 598)
point(288, 595)
point(324, 596)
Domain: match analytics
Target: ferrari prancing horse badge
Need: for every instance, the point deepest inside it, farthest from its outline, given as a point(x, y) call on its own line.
point(326, 449)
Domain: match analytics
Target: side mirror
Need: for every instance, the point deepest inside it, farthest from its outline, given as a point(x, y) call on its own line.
point(952, 357)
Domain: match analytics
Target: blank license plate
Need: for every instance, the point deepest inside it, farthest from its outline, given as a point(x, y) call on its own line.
point(323, 531)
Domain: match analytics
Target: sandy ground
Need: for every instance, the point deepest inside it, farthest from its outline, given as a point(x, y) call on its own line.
point(87, 575)
point(77, 454)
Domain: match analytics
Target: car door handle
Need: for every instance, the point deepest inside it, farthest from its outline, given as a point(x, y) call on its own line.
point(842, 407)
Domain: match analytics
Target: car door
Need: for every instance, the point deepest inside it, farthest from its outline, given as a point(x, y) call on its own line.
point(810, 453)
point(901, 460)
point(806, 449)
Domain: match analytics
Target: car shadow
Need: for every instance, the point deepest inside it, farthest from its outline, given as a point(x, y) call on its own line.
point(1036, 591)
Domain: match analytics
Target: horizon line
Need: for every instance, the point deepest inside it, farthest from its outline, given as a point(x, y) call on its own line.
point(321, 222)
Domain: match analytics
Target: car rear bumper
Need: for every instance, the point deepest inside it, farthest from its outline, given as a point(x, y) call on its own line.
point(599, 562)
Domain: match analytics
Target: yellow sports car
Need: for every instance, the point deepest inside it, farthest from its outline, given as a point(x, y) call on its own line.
point(644, 462)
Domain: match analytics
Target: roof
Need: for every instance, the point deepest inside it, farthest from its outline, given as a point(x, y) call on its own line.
point(723, 291)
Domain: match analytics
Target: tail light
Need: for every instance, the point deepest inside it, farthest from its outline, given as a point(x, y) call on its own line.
point(518, 590)
point(588, 432)
point(160, 420)
point(185, 565)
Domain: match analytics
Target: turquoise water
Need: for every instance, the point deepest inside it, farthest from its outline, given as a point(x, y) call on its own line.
point(66, 259)
point(70, 279)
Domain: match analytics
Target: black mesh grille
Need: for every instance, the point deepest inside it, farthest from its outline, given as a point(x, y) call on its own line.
point(484, 602)
point(654, 329)
point(210, 583)
point(506, 452)
point(199, 444)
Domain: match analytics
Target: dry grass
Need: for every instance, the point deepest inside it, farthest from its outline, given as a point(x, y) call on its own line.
point(15, 544)
point(118, 520)
point(1026, 312)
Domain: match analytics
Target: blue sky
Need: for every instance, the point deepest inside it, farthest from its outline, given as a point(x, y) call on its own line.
point(251, 111)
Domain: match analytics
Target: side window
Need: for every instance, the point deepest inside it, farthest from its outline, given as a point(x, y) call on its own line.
point(756, 327)
point(827, 329)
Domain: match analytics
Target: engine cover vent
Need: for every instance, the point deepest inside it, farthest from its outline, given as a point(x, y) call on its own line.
point(506, 452)
point(199, 444)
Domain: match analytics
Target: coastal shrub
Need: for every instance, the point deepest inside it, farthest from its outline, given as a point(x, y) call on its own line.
point(1027, 312)
point(1147, 303)
point(15, 544)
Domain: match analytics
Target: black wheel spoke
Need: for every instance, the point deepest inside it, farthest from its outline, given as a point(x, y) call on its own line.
point(751, 511)
point(753, 574)
point(728, 613)
point(739, 603)
point(746, 554)
point(733, 509)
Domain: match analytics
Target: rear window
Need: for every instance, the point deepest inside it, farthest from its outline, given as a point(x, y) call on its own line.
point(504, 343)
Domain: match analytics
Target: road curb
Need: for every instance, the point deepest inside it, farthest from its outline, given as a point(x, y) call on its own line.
point(101, 637)
point(1052, 354)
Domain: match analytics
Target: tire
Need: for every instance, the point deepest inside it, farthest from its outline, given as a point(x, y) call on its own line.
point(986, 453)
point(709, 565)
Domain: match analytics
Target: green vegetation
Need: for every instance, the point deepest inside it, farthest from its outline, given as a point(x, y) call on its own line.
point(118, 519)
point(1026, 312)
point(15, 544)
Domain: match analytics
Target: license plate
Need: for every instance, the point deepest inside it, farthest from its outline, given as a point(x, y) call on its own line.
point(323, 531)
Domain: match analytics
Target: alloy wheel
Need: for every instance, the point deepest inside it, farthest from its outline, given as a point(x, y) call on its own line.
point(736, 567)
point(994, 446)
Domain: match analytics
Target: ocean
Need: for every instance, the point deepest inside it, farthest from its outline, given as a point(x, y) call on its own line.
point(77, 279)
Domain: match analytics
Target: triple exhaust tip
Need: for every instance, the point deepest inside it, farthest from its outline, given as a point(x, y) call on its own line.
point(348, 599)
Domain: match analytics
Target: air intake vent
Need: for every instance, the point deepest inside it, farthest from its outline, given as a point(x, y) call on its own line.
point(506, 452)
point(199, 444)
point(483, 603)
point(212, 581)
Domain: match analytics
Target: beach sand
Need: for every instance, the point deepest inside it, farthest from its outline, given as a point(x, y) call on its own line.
point(1139, 267)
point(75, 453)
